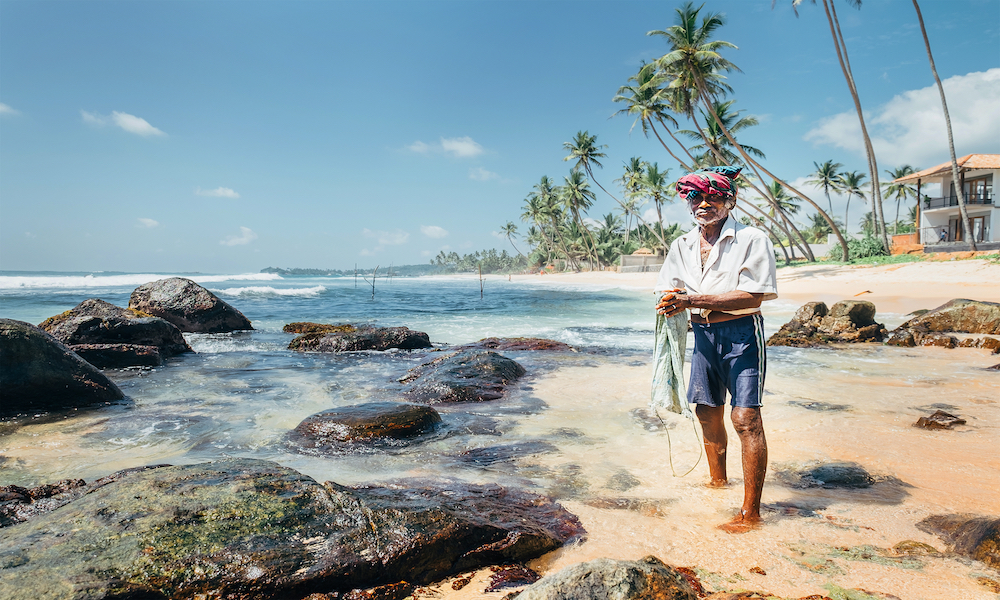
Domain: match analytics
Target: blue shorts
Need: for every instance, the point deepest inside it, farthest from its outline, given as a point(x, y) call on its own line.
point(728, 356)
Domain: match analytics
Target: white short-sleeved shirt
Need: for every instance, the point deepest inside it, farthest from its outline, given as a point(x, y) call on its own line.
point(741, 259)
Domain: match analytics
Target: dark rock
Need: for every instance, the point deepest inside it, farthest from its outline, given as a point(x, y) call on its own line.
point(974, 536)
point(491, 455)
point(646, 578)
point(95, 321)
point(506, 576)
point(307, 327)
point(987, 343)
point(118, 356)
point(814, 325)
point(622, 481)
point(936, 339)
point(831, 475)
point(901, 337)
point(39, 373)
point(187, 305)
point(939, 420)
point(466, 376)
point(361, 338)
point(252, 529)
point(369, 422)
point(517, 344)
point(960, 316)
point(995, 367)
point(819, 406)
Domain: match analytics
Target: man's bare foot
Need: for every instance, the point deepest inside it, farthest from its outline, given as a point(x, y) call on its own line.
point(717, 483)
point(741, 523)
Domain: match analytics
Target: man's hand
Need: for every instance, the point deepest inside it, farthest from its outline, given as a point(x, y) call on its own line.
point(672, 302)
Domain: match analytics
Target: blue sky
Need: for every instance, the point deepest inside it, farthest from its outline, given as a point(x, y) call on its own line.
point(230, 136)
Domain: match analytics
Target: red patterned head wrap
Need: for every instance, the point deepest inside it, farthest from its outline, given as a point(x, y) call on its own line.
point(713, 181)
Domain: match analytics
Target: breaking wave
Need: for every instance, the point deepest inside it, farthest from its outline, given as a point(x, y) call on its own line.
point(265, 291)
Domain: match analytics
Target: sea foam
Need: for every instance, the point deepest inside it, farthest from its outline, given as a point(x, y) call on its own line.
point(268, 291)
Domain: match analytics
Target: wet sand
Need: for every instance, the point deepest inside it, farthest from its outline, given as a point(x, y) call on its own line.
point(852, 404)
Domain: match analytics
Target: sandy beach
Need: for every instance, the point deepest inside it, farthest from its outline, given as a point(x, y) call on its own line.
point(853, 405)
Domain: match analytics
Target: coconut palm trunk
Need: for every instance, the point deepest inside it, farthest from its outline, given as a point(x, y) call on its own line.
point(845, 66)
point(966, 222)
point(760, 224)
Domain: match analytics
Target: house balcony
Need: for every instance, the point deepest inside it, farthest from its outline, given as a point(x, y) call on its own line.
point(949, 201)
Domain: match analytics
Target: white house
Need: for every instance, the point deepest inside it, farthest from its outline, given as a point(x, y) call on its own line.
point(939, 217)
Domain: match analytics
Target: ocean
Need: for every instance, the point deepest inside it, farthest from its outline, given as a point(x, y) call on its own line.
point(574, 428)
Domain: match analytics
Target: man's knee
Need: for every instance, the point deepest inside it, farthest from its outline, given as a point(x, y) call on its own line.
point(747, 421)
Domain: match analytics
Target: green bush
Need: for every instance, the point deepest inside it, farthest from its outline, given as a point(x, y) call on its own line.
point(865, 247)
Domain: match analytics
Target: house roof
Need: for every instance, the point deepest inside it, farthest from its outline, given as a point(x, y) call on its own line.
point(966, 163)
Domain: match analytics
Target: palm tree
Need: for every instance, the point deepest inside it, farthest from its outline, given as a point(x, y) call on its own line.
point(845, 66)
point(576, 198)
point(509, 230)
point(656, 184)
point(900, 191)
point(716, 143)
point(850, 182)
point(825, 176)
point(818, 228)
point(644, 100)
point(548, 208)
point(966, 222)
point(695, 65)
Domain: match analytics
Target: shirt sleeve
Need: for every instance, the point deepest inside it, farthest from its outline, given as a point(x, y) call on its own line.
point(758, 271)
point(671, 272)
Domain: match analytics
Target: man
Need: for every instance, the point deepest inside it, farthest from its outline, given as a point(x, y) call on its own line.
point(722, 271)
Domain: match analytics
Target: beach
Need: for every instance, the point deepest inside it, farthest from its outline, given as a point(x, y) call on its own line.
point(864, 401)
point(609, 460)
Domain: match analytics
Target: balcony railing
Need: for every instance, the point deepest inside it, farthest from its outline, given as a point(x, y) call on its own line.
point(953, 200)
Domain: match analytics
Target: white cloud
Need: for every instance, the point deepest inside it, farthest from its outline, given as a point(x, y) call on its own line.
point(148, 223)
point(481, 174)
point(433, 231)
point(129, 123)
point(461, 147)
point(387, 238)
point(245, 237)
point(910, 128)
point(29, 235)
point(219, 192)
point(7, 110)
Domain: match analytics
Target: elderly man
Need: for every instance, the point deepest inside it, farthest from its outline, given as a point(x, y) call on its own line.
point(722, 271)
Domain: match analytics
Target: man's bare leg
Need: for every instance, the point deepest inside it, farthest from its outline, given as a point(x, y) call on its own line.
point(750, 428)
point(713, 427)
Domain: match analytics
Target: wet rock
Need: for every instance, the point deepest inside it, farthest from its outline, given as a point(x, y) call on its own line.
point(504, 453)
point(187, 305)
point(39, 373)
point(960, 316)
point(830, 475)
point(819, 406)
point(351, 339)
point(977, 537)
point(815, 325)
point(901, 337)
point(362, 423)
point(506, 576)
point(914, 548)
point(939, 420)
point(987, 343)
point(517, 344)
point(95, 321)
point(466, 376)
point(307, 327)
point(644, 506)
point(119, 356)
point(253, 529)
point(622, 481)
point(935, 339)
point(995, 367)
point(617, 579)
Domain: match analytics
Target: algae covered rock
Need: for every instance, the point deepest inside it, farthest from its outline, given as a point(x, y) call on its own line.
point(815, 325)
point(974, 536)
point(364, 423)
point(246, 528)
point(465, 376)
point(39, 373)
point(187, 305)
point(95, 323)
point(348, 338)
point(642, 579)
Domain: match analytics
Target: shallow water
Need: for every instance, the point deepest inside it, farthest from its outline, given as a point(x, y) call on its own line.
point(574, 428)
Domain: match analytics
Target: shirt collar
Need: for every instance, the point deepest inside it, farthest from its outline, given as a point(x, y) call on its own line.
point(728, 230)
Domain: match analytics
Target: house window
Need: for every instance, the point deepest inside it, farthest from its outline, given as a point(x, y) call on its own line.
point(978, 190)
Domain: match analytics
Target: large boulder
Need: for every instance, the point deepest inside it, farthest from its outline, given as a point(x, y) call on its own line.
point(370, 423)
point(815, 325)
point(187, 305)
point(959, 316)
point(102, 329)
point(348, 338)
point(604, 578)
point(974, 536)
point(39, 373)
point(931, 328)
point(252, 529)
point(465, 376)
